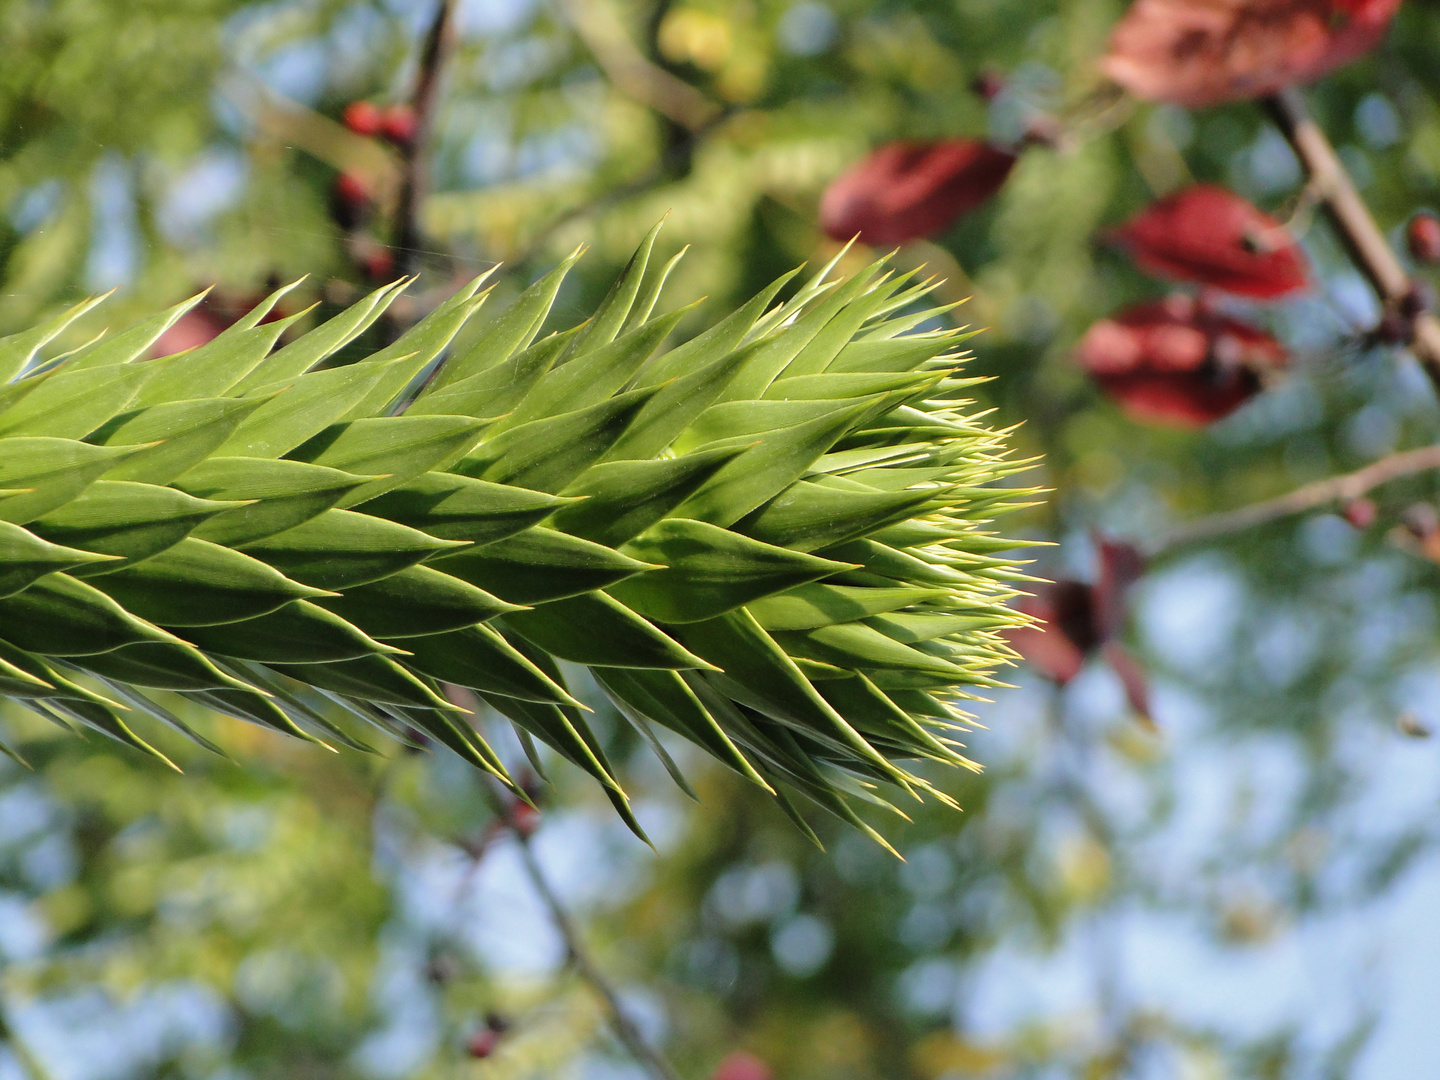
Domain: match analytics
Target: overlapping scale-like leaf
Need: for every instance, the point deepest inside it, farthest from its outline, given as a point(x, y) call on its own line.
point(768, 540)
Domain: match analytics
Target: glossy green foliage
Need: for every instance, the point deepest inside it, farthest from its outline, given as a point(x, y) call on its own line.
point(310, 539)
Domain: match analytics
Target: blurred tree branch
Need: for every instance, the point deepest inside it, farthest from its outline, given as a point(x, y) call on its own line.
point(280, 120)
point(625, 1030)
point(1357, 229)
point(439, 43)
point(504, 807)
point(1309, 497)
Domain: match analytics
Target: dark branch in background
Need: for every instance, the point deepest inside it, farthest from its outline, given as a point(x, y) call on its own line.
point(688, 113)
point(438, 44)
point(585, 966)
point(1357, 229)
point(1322, 493)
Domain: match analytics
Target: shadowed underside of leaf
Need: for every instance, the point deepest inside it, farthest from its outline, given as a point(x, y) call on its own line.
point(769, 541)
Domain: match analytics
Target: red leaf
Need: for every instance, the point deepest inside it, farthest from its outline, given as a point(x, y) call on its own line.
point(1356, 27)
point(524, 818)
point(1066, 632)
point(1132, 678)
point(205, 321)
point(1074, 619)
point(742, 1066)
point(352, 188)
point(1212, 236)
point(378, 264)
point(907, 190)
point(1205, 52)
point(1121, 565)
point(193, 329)
point(1170, 362)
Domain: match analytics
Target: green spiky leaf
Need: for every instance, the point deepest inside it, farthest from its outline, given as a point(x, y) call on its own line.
point(762, 540)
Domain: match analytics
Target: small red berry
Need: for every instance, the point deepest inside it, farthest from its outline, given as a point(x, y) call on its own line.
point(742, 1066)
point(988, 85)
point(351, 189)
point(378, 265)
point(1422, 236)
point(363, 117)
point(524, 818)
point(349, 201)
point(482, 1044)
point(398, 125)
point(1360, 513)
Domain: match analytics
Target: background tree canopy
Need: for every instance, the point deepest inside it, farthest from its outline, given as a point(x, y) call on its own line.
point(1204, 843)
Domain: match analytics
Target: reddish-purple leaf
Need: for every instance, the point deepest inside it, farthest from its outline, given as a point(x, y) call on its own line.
point(351, 201)
point(1132, 678)
point(1122, 564)
point(1356, 27)
point(907, 190)
point(1214, 237)
point(394, 123)
point(206, 320)
point(742, 1066)
point(1198, 53)
point(1065, 632)
point(1171, 362)
point(1075, 620)
point(191, 330)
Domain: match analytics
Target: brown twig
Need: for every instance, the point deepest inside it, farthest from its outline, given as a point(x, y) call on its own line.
point(586, 968)
point(439, 41)
point(1357, 229)
point(1309, 497)
point(596, 24)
